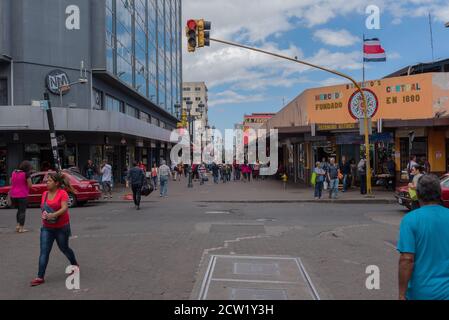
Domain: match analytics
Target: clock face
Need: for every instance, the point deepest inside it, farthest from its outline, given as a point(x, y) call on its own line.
point(355, 104)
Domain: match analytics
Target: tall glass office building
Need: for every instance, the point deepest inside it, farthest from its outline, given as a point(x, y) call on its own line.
point(143, 48)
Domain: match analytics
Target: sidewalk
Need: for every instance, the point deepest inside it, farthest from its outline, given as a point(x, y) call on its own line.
point(268, 191)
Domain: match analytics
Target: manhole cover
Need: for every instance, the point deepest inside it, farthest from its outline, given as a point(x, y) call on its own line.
point(259, 269)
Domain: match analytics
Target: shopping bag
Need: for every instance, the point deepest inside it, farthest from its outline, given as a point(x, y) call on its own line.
point(313, 179)
point(326, 185)
point(413, 194)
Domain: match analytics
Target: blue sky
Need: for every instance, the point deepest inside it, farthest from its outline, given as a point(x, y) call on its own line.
point(325, 32)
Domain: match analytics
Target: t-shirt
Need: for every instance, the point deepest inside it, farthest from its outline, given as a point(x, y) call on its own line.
point(416, 178)
point(107, 173)
point(333, 171)
point(424, 233)
point(56, 204)
point(164, 171)
point(19, 185)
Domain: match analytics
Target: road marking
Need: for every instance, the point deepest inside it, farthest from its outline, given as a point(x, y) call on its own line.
point(208, 278)
point(218, 212)
point(307, 278)
point(253, 281)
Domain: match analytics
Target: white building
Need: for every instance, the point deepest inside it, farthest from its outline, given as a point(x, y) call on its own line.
point(197, 93)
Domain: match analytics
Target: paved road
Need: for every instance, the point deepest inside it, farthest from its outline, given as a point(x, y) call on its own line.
point(162, 251)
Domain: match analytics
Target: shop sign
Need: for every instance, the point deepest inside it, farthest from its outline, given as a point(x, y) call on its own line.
point(32, 148)
point(355, 104)
point(57, 79)
point(341, 126)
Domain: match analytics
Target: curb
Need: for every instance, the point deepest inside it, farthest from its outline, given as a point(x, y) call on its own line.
point(343, 201)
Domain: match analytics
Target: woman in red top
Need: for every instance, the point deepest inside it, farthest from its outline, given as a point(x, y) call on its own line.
point(56, 223)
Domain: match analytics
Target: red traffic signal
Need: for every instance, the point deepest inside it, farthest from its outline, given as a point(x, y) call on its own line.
point(191, 33)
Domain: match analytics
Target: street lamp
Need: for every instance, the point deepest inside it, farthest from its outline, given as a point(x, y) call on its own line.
point(189, 104)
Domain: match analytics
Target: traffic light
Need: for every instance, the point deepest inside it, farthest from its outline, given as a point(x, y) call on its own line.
point(203, 33)
point(191, 33)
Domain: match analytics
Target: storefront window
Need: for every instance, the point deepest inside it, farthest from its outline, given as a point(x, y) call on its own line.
point(419, 150)
point(3, 172)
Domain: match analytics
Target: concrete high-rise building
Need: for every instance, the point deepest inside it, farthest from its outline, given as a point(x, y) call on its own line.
point(131, 50)
point(197, 93)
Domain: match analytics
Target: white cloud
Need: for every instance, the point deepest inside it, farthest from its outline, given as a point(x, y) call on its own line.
point(338, 38)
point(232, 97)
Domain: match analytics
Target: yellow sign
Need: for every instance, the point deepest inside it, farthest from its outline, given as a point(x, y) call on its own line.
point(341, 126)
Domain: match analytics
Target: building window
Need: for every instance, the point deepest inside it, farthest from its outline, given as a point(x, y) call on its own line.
point(113, 105)
point(132, 112)
point(197, 89)
point(3, 92)
point(97, 99)
point(162, 124)
point(145, 117)
point(187, 89)
point(155, 121)
point(197, 99)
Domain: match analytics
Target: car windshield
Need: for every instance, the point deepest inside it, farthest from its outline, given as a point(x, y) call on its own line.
point(77, 176)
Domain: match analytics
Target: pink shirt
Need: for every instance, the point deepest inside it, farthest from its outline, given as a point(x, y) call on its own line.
point(19, 185)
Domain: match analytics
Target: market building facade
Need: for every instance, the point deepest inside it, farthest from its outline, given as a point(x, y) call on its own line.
point(131, 51)
point(324, 122)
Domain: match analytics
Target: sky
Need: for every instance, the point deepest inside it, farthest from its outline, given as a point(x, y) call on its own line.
point(324, 32)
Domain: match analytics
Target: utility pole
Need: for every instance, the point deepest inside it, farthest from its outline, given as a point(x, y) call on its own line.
point(51, 127)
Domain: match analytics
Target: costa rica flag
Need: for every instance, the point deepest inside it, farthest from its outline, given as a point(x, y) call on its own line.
point(373, 51)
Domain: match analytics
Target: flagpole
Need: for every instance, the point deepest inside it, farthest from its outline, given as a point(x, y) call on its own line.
point(363, 57)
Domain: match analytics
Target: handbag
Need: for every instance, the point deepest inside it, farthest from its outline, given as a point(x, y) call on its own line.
point(413, 194)
point(147, 189)
point(45, 207)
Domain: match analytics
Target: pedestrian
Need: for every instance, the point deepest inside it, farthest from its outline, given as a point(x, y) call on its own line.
point(154, 175)
point(424, 246)
point(417, 172)
point(319, 182)
point(237, 170)
point(325, 167)
point(55, 223)
point(353, 173)
point(202, 172)
point(391, 168)
point(346, 172)
point(332, 175)
point(136, 179)
point(410, 166)
point(90, 170)
point(427, 169)
point(180, 171)
point(215, 172)
point(143, 167)
point(256, 171)
point(20, 190)
point(106, 179)
point(361, 170)
point(164, 176)
point(228, 172)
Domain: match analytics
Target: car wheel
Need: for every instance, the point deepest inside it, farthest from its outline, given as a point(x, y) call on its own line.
point(72, 201)
point(3, 201)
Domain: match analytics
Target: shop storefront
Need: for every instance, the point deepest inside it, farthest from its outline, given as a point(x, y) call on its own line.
point(396, 106)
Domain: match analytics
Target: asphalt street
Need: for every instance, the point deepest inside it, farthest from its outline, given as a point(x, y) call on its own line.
point(162, 251)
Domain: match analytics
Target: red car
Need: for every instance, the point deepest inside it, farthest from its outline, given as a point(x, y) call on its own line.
point(85, 190)
point(403, 196)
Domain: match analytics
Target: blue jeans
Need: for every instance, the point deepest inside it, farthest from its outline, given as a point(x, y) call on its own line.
point(216, 179)
point(48, 236)
point(345, 182)
point(319, 189)
point(155, 182)
point(164, 186)
point(333, 188)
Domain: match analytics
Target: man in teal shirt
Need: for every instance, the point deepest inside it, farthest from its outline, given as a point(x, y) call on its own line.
point(424, 246)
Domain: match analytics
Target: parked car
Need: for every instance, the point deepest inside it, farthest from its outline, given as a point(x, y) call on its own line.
point(85, 190)
point(403, 196)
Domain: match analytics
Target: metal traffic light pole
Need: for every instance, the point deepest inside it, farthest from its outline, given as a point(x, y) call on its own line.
point(364, 101)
